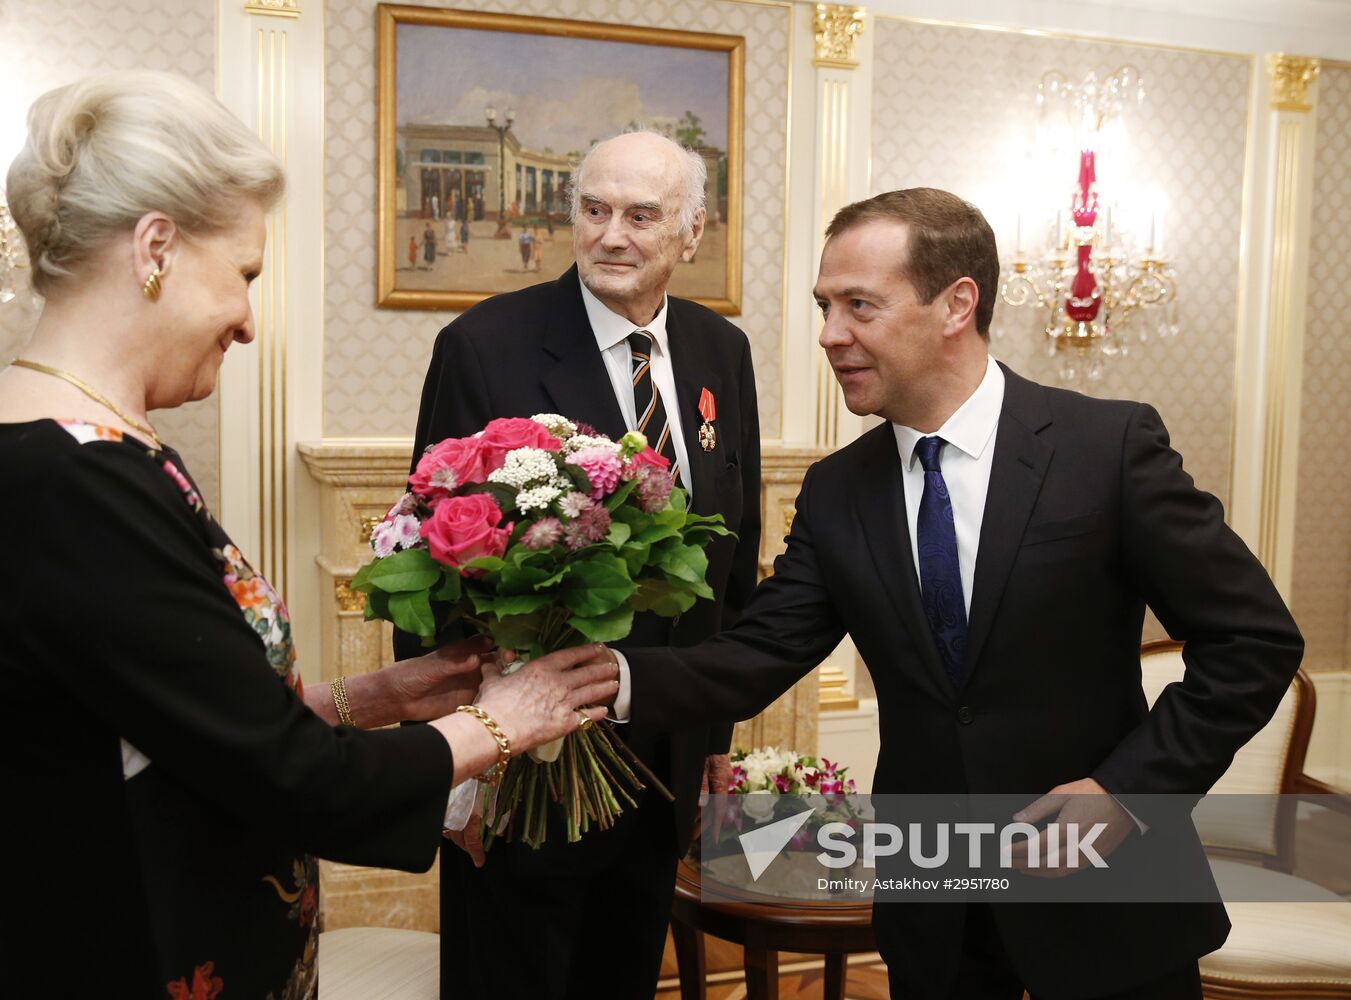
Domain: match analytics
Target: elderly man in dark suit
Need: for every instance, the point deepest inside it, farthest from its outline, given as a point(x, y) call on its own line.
point(605, 345)
point(991, 549)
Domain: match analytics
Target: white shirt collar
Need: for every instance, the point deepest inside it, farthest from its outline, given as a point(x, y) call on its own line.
point(610, 327)
point(971, 428)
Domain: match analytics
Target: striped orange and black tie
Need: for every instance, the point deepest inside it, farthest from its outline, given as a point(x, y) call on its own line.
point(647, 403)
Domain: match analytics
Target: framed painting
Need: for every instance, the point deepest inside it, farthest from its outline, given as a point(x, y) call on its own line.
point(482, 119)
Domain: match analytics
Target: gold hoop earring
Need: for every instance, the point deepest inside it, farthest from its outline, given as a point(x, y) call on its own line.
point(151, 288)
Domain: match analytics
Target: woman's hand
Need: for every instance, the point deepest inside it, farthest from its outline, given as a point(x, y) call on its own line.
point(547, 698)
point(416, 690)
point(436, 684)
point(550, 696)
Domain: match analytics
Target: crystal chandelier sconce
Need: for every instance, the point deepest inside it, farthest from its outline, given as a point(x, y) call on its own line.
point(1100, 287)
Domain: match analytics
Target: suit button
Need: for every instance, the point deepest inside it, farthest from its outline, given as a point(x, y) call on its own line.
point(965, 716)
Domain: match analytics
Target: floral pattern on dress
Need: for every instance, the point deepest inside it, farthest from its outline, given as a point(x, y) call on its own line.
point(86, 432)
point(304, 902)
point(263, 609)
point(205, 984)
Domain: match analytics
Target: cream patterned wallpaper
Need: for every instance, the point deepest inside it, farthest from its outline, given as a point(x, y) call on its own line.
point(39, 50)
point(955, 108)
point(1322, 571)
point(375, 359)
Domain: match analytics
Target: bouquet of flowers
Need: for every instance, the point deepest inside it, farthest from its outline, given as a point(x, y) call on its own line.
point(543, 534)
point(763, 775)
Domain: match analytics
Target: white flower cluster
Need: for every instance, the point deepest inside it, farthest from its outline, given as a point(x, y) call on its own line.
point(577, 442)
point(762, 764)
point(526, 467)
point(556, 424)
point(538, 497)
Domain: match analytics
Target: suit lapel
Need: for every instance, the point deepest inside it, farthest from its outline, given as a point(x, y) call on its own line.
point(578, 382)
point(879, 506)
point(694, 373)
point(1021, 458)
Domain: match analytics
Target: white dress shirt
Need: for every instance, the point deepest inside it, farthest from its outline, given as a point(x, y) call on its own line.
point(965, 463)
point(612, 337)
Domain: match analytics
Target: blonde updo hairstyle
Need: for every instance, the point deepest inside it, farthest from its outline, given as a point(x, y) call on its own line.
point(106, 150)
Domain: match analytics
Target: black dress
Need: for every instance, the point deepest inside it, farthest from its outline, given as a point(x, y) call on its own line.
point(166, 786)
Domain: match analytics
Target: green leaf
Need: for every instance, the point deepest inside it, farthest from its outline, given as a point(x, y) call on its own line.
point(377, 606)
point(489, 564)
point(619, 533)
point(617, 498)
point(516, 631)
point(405, 572)
point(610, 627)
point(581, 483)
point(360, 578)
point(555, 579)
point(663, 597)
point(597, 586)
point(657, 533)
point(519, 604)
point(684, 562)
point(521, 579)
point(635, 556)
point(449, 589)
point(413, 613)
point(500, 493)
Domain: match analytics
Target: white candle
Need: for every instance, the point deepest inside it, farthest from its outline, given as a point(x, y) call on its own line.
point(1107, 235)
point(1158, 243)
point(1018, 234)
point(1057, 229)
point(1152, 215)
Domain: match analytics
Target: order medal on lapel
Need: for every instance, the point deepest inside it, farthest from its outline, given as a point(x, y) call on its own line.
point(708, 409)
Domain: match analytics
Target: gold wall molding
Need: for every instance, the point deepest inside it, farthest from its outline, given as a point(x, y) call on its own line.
point(1291, 77)
point(273, 8)
point(837, 28)
point(348, 599)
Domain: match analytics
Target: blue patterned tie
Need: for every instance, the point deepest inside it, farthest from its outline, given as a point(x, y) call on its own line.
point(940, 575)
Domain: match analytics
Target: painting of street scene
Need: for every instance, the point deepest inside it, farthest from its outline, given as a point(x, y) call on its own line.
point(483, 119)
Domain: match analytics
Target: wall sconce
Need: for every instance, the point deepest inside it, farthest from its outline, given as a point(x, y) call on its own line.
point(1099, 284)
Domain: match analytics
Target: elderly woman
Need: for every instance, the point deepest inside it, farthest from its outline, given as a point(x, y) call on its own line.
point(168, 780)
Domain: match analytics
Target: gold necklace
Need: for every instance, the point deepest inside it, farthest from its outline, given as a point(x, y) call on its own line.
point(93, 394)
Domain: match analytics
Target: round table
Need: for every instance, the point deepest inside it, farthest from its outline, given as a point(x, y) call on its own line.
point(764, 926)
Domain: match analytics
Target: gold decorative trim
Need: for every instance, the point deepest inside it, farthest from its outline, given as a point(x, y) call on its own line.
point(834, 694)
point(367, 527)
point(836, 28)
point(273, 8)
point(1290, 80)
point(349, 600)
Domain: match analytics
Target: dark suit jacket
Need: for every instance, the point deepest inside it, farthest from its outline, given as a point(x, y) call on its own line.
point(533, 351)
point(1089, 517)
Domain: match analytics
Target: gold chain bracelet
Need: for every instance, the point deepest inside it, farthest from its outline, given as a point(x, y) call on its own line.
point(493, 774)
point(339, 689)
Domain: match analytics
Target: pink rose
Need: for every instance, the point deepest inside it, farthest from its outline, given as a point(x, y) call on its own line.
point(463, 528)
point(649, 459)
point(509, 433)
point(447, 466)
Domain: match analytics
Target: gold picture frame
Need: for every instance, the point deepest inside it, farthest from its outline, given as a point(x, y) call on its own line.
point(435, 183)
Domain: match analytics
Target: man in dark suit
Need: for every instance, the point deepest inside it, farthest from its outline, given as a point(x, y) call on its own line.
point(991, 549)
point(605, 345)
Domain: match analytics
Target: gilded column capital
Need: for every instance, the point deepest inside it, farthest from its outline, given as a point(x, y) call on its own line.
point(273, 8)
point(836, 27)
point(1290, 79)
